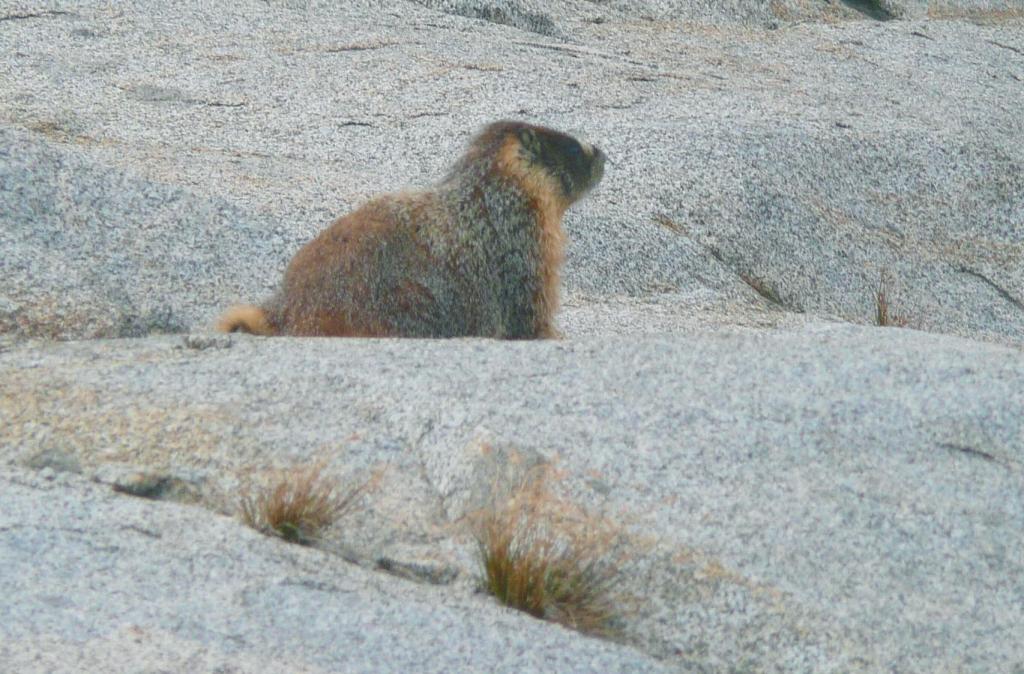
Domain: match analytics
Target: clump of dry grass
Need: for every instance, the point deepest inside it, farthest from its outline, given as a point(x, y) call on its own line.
point(299, 504)
point(884, 315)
point(543, 555)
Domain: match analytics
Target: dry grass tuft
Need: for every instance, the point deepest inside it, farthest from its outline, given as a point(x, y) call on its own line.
point(884, 315)
point(301, 503)
point(545, 556)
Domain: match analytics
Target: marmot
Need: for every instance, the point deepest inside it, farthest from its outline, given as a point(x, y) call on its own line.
point(477, 255)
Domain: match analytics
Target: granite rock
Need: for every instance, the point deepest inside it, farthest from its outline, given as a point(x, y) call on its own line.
point(800, 490)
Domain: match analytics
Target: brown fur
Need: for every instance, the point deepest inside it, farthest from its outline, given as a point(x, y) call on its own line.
point(245, 318)
point(550, 206)
point(477, 255)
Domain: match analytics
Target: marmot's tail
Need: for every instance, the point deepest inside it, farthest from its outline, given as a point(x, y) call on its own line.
point(246, 318)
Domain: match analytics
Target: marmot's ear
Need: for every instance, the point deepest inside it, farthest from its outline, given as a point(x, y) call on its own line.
point(528, 138)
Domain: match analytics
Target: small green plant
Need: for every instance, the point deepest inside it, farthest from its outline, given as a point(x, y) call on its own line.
point(301, 503)
point(547, 557)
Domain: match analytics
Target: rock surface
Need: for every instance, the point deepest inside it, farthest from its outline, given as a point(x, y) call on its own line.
point(814, 163)
point(108, 583)
point(835, 499)
point(800, 493)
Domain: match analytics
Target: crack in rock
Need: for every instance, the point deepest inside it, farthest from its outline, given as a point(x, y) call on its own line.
point(981, 454)
point(417, 572)
point(1003, 292)
point(36, 15)
point(1016, 50)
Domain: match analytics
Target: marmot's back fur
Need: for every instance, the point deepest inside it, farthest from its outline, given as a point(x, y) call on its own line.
point(477, 255)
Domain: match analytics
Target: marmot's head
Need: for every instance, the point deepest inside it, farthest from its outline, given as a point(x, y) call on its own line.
point(576, 166)
point(543, 159)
